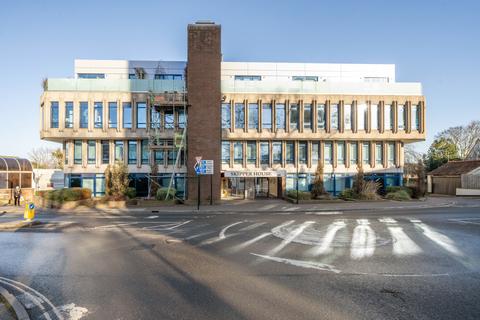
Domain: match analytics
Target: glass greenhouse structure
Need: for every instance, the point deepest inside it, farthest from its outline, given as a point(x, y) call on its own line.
point(15, 172)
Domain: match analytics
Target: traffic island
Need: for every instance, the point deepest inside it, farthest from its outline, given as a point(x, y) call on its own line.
point(16, 225)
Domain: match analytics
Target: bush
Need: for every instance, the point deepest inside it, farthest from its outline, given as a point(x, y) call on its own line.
point(393, 189)
point(116, 179)
point(348, 194)
point(131, 193)
point(162, 193)
point(302, 195)
point(318, 188)
point(370, 190)
point(400, 195)
point(66, 194)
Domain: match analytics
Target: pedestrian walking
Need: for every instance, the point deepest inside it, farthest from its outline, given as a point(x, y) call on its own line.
point(17, 194)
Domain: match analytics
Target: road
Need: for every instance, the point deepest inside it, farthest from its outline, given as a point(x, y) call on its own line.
point(382, 264)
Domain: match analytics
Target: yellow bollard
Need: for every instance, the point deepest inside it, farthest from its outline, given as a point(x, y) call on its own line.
point(29, 212)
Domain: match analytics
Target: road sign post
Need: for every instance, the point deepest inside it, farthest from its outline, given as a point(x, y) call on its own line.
point(204, 167)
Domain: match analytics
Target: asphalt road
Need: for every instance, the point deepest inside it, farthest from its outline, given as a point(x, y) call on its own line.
point(411, 264)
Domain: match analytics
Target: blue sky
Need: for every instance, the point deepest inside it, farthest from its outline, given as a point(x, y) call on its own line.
point(433, 42)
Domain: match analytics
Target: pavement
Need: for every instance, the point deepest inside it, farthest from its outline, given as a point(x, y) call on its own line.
point(399, 261)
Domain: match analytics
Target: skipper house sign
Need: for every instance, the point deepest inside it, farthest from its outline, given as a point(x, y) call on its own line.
point(253, 174)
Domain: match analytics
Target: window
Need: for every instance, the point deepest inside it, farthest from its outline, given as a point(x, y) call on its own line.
point(302, 152)
point(118, 150)
point(293, 116)
point(353, 153)
point(168, 120)
point(239, 116)
point(280, 116)
point(334, 116)
point(290, 153)
point(168, 76)
point(391, 154)
point(307, 116)
point(155, 118)
point(362, 116)
point(172, 157)
point(277, 152)
point(366, 153)
point(266, 116)
point(253, 116)
point(374, 112)
point(142, 115)
point(226, 116)
point(328, 153)
point(378, 153)
point(388, 117)
point(91, 75)
point(251, 152)
point(415, 117)
point(264, 153)
point(54, 114)
point(144, 152)
point(112, 114)
point(304, 78)
point(127, 115)
point(68, 114)
point(132, 76)
point(347, 116)
point(401, 117)
point(248, 78)
point(181, 119)
point(226, 152)
point(98, 114)
point(340, 153)
point(91, 152)
point(77, 152)
point(105, 152)
point(66, 151)
point(321, 116)
point(159, 156)
point(315, 153)
point(132, 152)
point(238, 153)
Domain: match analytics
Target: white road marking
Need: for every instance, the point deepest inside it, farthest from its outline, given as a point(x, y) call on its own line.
point(291, 236)
point(283, 225)
point(111, 226)
point(198, 235)
point(388, 220)
point(439, 238)
point(249, 242)
point(325, 246)
point(167, 226)
point(415, 221)
point(151, 217)
point(253, 226)
point(321, 213)
point(467, 220)
point(363, 240)
point(221, 235)
point(300, 263)
point(402, 244)
point(72, 312)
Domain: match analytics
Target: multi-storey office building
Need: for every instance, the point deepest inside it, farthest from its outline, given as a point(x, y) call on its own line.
point(266, 125)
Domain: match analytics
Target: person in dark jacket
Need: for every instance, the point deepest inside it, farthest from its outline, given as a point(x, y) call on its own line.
point(17, 194)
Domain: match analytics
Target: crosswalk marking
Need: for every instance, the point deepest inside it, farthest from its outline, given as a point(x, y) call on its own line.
point(402, 244)
point(291, 236)
point(245, 244)
point(363, 240)
point(325, 247)
point(388, 220)
point(253, 226)
point(439, 238)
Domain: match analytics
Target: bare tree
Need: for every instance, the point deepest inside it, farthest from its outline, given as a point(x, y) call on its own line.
point(42, 158)
point(463, 137)
point(412, 155)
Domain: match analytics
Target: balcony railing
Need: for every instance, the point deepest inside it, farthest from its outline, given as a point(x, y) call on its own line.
point(122, 85)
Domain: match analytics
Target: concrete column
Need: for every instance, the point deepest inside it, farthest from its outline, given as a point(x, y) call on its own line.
point(287, 115)
point(300, 116)
point(328, 125)
point(314, 116)
point(341, 117)
point(354, 117)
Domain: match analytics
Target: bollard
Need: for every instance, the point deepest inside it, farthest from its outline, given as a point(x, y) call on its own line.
point(29, 213)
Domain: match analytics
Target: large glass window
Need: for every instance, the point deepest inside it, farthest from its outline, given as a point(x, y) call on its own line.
point(264, 153)
point(353, 153)
point(141, 115)
point(159, 157)
point(91, 152)
point(155, 118)
point(290, 152)
point(251, 152)
point(105, 151)
point(294, 118)
point(334, 116)
point(144, 151)
point(127, 115)
point(237, 153)
point(253, 116)
point(388, 119)
point(362, 116)
point(280, 116)
point(277, 152)
point(347, 116)
point(69, 114)
point(172, 157)
point(374, 112)
point(112, 114)
point(415, 117)
point(83, 114)
point(77, 152)
point(168, 119)
point(239, 116)
point(302, 153)
point(54, 114)
point(401, 117)
point(328, 153)
point(98, 114)
point(391, 154)
point(266, 116)
point(226, 152)
point(366, 153)
point(321, 116)
point(307, 116)
point(378, 153)
point(226, 116)
point(340, 153)
point(315, 153)
point(132, 152)
point(118, 150)
point(182, 119)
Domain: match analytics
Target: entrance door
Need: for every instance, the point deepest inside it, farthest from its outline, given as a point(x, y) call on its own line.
point(261, 187)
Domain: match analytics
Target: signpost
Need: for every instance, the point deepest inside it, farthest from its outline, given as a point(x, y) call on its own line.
point(203, 167)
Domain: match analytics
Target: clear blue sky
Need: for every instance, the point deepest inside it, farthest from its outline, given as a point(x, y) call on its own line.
point(434, 42)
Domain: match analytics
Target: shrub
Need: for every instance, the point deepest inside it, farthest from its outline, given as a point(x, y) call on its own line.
point(359, 181)
point(400, 195)
point(318, 188)
point(116, 179)
point(370, 190)
point(347, 194)
point(392, 189)
point(131, 193)
point(66, 194)
point(162, 193)
point(302, 195)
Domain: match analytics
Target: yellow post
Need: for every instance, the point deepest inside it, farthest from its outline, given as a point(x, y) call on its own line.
point(29, 212)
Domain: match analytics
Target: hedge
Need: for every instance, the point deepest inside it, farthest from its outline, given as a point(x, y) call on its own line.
point(302, 195)
point(66, 194)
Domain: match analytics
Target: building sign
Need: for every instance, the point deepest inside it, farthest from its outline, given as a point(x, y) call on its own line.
point(253, 174)
point(203, 167)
